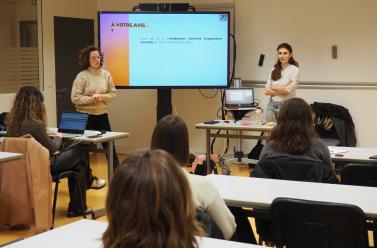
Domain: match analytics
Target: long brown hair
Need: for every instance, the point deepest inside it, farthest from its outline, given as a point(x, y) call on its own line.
point(294, 128)
point(276, 73)
point(149, 204)
point(171, 135)
point(28, 105)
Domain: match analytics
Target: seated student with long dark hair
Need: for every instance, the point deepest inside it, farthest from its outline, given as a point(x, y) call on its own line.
point(28, 116)
point(293, 152)
point(293, 137)
point(171, 135)
point(149, 204)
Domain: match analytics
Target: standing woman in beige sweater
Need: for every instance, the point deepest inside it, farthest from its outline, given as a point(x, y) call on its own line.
point(92, 91)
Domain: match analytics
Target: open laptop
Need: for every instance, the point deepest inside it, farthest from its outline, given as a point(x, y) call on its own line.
point(239, 99)
point(72, 124)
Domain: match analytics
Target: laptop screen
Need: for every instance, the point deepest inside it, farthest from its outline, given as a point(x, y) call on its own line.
point(73, 123)
point(239, 97)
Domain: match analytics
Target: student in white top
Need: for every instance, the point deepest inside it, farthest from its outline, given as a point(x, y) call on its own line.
point(171, 135)
point(282, 82)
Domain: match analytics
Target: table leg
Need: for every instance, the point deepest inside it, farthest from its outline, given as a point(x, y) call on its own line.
point(110, 155)
point(208, 150)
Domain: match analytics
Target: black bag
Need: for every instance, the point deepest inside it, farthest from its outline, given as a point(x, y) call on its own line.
point(256, 150)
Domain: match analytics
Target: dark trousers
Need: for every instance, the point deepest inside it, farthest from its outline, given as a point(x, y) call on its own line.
point(244, 230)
point(72, 159)
point(101, 123)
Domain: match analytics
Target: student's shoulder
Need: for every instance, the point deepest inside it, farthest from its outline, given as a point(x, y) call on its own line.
point(32, 126)
point(317, 142)
point(199, 181)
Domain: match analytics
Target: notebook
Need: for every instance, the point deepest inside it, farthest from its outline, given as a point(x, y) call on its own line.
point(239, 99)
point(72, 124)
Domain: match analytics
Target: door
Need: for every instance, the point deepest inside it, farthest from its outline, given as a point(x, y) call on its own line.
point(71, 35)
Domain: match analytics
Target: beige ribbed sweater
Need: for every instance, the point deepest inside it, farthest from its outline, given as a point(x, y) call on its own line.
point(89, 82)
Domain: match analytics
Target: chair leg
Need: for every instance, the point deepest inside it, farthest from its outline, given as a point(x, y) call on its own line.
point(83, 208)
point(54, 203)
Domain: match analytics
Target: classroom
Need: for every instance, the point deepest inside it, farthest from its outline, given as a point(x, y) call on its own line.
point(333, 42)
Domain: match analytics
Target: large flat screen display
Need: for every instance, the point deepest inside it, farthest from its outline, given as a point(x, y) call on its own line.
point(165, 50)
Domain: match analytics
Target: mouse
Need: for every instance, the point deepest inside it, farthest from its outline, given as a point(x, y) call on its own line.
point(226, 121)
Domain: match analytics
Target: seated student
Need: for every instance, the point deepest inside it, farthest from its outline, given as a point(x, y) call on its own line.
point(28, 116)
point(149, 204)
point(293, 152)
point(293, 137)
point(171, 135)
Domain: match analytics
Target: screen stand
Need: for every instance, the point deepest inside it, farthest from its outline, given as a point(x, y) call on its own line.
point(163, 103)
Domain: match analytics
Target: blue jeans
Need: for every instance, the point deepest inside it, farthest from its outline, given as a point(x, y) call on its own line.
point(272, 110)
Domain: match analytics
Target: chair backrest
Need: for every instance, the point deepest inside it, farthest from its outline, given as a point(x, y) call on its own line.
point(295, 170)
point(360, 174)
point(25, 185)
point(209, 225)
point(303, 223)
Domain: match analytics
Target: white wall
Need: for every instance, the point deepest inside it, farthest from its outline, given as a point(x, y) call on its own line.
point(7, 23)
point(50, 8)
point(260, 26)
point(311, 27)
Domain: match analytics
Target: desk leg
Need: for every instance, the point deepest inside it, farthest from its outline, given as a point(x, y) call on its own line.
point(208, 150)
point(110, 155)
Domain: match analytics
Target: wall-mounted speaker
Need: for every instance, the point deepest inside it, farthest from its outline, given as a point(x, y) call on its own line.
point(261, 60)
point(334, 51)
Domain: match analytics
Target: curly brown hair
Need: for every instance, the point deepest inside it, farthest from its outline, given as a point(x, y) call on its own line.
point(149, 204)
point(84, 56)
point(294, 128)
point(28, 105)
point(276, 73)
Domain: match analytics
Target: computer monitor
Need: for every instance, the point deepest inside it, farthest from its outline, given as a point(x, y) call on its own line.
point(242, 98)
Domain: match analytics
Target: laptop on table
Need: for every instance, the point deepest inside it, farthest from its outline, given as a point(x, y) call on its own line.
point(239, 99)
point(73, 124)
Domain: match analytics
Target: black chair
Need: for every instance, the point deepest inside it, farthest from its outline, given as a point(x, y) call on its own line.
point(311, 224)
point(289, 169)
point(56, 179)
point(359, 174)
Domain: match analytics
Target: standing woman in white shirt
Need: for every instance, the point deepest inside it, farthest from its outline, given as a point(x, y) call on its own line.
point(282, 82)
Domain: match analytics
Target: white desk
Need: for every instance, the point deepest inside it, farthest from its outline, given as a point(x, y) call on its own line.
point(259, 193)
point(88, 233)
point(6, 156)
point(107, 137)
point(352, 154)
point(231, 125)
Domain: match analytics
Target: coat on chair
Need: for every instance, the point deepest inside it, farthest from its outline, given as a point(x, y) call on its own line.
point(25, 185)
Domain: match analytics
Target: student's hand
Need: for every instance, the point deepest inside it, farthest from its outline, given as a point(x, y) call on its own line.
point(53, 133)
point(59, 134)
point(290, 81)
